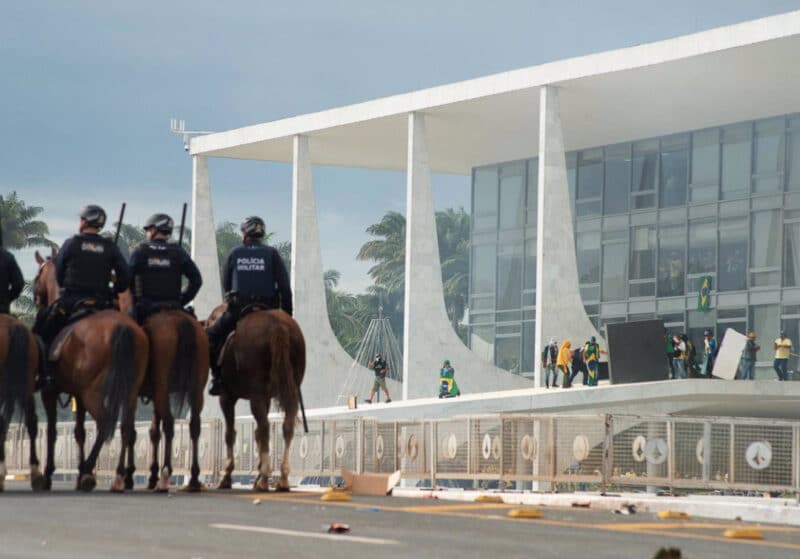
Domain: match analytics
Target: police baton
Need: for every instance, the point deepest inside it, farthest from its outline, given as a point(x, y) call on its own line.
point(119, 223)
point(183, 223)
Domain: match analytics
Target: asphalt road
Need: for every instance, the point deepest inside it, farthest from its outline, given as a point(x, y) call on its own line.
point(213, 524)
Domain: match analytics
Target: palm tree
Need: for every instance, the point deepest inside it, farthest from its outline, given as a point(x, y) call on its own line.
point(20, 228)
point(389, 254)
point(24, 307)
point(343, 313)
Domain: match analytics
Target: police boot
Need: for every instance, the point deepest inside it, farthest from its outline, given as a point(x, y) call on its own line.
point(46, 378)
point(216, 370)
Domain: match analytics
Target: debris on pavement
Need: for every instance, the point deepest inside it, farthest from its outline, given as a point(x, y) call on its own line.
point(626, 509)
point(336, 528)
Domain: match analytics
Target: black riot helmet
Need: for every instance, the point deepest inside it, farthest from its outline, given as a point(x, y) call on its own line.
point(94, 216)
point(161, 223)
point(253, 227)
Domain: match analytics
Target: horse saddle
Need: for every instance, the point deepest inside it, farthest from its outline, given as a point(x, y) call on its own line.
point(59, 341)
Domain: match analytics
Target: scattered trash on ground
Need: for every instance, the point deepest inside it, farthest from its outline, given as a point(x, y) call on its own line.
point(582, 505)
point(626, 509)
point(256, 502)
point(668, 553)
point(371, 509)
point(338, 528)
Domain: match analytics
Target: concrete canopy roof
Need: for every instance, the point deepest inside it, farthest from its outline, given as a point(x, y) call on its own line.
point(729, 74)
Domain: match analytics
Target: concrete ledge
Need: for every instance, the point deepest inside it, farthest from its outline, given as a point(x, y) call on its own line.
point(697, 397)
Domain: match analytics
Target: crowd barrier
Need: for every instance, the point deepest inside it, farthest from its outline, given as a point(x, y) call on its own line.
point(589, 451)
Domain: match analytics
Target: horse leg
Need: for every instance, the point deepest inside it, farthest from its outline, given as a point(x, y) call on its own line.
point(49, 401)
point(118, 485)
point(87, 480)
point(289, 420)
point(169, 435)
point(228, 405)
point(155, 440)
point(194, 433)
point(32, 424)
point(3, 470)
point(260, 409)
point(131, 468)
point(80, 437)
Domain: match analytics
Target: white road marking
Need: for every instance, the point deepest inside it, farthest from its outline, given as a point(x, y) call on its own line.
point(343, 538)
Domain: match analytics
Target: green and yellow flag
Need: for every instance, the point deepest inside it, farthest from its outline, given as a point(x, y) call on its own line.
point(704, 294)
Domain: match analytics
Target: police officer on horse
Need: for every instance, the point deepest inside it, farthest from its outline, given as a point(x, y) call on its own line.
point(85, 266)
point(157, 268)
point(254, 277)
point(11, 282)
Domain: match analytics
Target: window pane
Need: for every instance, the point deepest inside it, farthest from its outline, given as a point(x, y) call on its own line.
point(507, 354)
point(645, 164)
point(530, 264)
point(528, 351)
point(791, 262)
point(735, 161)
point(615, 275)
point(702, 247)
point(532, 196)
point(588, 254)
point(732, 255)
point(509, 277)
point(674, 171)
point(481, 341)
point(705, 165)
point(765, 245)
point(512, 191)
point(793, 181)
point(483, 268)
point(643, 253)
point(484, 197)
point(590, 174)
point(618, 178)
point(769, 155)
point(671, 260)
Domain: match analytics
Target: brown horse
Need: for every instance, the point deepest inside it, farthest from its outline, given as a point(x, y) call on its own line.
point(102, 363)
point(19, 361)
point(266, 359)
point(178, 365)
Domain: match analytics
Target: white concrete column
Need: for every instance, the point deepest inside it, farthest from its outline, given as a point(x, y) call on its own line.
point(204, 239)
point(329, 369)
point(559, 308)
point(428, 336)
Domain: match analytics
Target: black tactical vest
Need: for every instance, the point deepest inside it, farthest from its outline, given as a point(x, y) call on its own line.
point(5, 277)
point(253, 276)
point(89, 263)
point(157, 276)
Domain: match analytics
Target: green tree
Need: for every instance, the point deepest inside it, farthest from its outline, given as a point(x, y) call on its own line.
point(21, 229)
point(388, 272)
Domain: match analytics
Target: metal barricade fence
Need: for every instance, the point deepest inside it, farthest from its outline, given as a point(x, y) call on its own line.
point(573, 451)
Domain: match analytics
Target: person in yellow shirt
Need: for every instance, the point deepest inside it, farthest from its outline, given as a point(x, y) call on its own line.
point(783, 348)
point(564, 358)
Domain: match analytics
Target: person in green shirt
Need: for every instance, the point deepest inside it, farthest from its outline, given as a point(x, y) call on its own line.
point(591, 356)
point(447, 382)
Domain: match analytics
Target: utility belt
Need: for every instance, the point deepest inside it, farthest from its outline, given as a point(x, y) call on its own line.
point(236, 299)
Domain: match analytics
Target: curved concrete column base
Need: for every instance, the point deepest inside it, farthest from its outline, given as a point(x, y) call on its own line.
point(428, 335)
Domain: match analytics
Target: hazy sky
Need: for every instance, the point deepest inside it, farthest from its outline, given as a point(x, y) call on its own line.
point(88, 89)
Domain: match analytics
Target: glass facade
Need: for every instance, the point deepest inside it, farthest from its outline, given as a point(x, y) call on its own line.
point(652, 217)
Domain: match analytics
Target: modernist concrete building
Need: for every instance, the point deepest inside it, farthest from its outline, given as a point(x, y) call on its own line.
point(661, 163)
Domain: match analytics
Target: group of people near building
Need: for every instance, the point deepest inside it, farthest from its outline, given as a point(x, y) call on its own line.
point(567, 362)
point(783, 350)
point(448, 388)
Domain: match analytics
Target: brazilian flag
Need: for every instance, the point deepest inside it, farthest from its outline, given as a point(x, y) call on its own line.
point(704, 295)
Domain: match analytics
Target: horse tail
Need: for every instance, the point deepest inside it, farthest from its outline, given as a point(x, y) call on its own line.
point(184, 377)
point(15, 373)
point(281, 368)
point(119, 380)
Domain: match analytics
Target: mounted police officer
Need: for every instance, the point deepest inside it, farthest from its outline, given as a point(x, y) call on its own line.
point(11, 282)
point(85, 267)
point(157, 268)
point(254, 275)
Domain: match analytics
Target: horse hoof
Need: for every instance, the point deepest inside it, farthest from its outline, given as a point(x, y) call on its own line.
point(225, 483)
point(86, 483)
point(48, 484)
point(282, 488)
point(261, 484)
point(194, 487)
point(39, 483)
point(128, 484)
point(118, 485)
point(151, 483)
